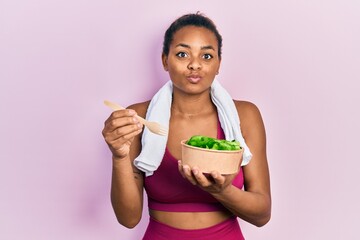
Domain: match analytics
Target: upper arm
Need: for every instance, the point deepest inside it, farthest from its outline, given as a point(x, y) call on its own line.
point(256, 172)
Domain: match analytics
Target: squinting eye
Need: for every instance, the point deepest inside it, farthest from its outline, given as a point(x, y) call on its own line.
point(207, 56)
point(181, 54)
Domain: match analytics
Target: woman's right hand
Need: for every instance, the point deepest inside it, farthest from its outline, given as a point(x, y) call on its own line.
point(119, 132)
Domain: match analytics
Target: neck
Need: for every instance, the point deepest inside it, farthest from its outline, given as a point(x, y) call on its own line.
point(192, 106)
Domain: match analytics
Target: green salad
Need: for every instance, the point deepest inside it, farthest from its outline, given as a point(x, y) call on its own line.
point(213, 143)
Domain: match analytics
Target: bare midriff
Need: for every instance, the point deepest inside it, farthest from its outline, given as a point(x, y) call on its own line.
point(190, 220)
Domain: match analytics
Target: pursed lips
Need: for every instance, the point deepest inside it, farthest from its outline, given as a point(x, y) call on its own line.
point(194, 78)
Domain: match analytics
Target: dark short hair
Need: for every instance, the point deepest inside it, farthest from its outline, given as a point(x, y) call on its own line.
point(193, 19)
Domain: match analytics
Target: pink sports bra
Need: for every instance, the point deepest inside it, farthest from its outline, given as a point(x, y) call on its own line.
point(168, 191)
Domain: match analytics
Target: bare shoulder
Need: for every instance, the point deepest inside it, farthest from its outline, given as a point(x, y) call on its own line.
point(247, 109)
point(140, 108)
point(249, 115)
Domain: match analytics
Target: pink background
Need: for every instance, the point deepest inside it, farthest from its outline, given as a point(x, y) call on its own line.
point(297, 60)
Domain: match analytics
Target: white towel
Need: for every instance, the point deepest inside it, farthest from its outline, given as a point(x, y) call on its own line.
point(153, 146)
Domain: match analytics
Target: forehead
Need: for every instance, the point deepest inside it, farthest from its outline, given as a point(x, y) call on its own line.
point(193, 35)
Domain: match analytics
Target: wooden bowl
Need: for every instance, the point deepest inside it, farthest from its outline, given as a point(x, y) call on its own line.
point(208, 160)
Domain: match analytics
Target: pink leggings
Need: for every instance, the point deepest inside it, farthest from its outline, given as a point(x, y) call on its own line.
point(227, 230)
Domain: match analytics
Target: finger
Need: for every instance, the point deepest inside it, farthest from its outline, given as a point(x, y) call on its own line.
point(180, 167)
point(218, 178)
point(122, 132)
point(188, 175)
point(120, 114)
point(113, 123)
point(202, 180)
point(125, 130)
point(119, 142)
point(123, 113)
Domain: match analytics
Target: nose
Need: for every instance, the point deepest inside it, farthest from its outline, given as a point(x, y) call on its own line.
point(194, 64)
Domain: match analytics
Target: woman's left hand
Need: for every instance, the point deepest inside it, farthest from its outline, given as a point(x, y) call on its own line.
point(213, 182)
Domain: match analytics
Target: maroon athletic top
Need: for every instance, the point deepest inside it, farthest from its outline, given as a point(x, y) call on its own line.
point(168, 191)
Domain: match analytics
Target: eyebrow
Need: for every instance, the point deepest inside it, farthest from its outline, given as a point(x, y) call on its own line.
point(202, 48)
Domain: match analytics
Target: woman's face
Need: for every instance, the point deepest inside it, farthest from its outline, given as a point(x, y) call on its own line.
point(193, 59)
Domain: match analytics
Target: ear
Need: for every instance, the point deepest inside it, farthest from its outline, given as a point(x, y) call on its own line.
point(217, 72)
point(164, 59)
